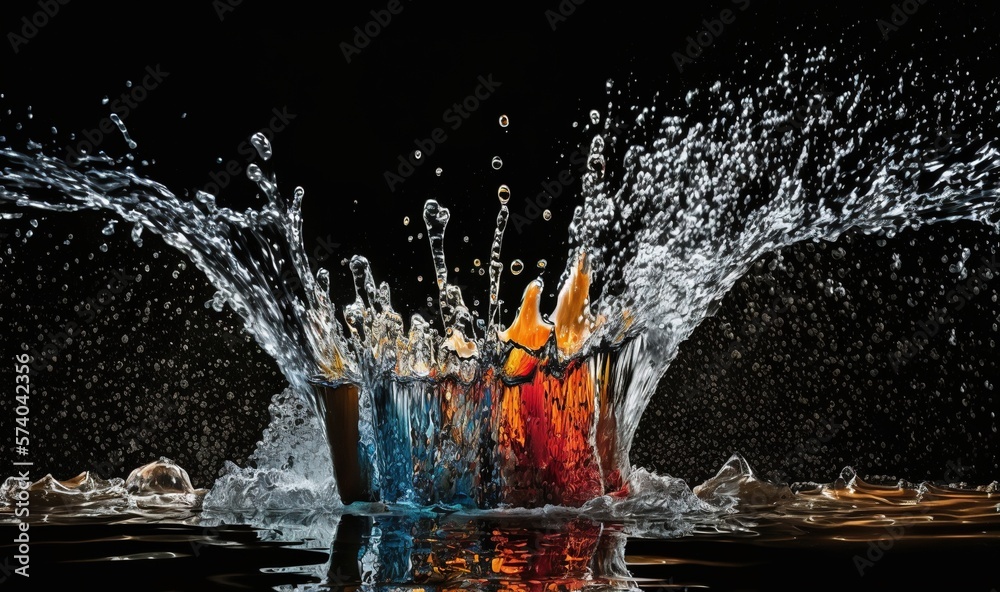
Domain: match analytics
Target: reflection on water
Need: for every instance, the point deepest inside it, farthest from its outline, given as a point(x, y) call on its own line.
point(858, 533)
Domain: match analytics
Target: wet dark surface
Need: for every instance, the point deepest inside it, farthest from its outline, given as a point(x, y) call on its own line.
point(437, 552)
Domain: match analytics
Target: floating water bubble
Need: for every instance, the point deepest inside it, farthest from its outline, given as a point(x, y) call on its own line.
point(477, 262)
point(496, 163)
point(542, 263)
point(503, 193)
point(595, 117)
point(261, 143)
point(547, 215)
point(406, 220)
point(516, 266)
point(504, 121)
point(254, 173)
point(438, 171)
point(417, 154)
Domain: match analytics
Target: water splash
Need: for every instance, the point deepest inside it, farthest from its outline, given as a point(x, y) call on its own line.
point(674, 213)
point(711, 186)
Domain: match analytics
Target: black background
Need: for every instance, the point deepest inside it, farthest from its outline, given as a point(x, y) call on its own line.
point(231, 66)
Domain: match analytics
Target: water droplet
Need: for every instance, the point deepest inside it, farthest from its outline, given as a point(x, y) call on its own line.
point(542, 263)
point(547, 215)
point(420, 278)
point(482, 271)
point(121, 127)
point(417, 154)
point(504, 121)
point(263, 147)
point(595, 117)
point(254, 174)
point(497, 163)
point(503, 192)
point(477, 262)
point(104, 248)
point(438, 171)
point(105, 100)
point(406, 220)
point(516, 267)
point(110, 228)
point(465, 239)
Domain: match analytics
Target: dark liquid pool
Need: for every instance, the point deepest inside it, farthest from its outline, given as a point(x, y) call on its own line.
point(877, 539)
